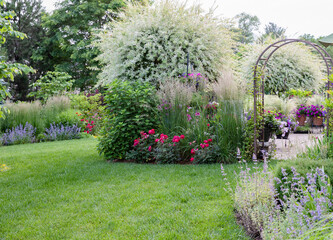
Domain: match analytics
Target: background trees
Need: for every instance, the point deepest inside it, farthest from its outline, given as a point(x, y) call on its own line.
point(69, 33)
point(27, 20)
point(7, 69)
point(247, 24)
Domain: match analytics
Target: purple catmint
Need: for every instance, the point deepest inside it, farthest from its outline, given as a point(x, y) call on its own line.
point(19, 135)
point(61, 132)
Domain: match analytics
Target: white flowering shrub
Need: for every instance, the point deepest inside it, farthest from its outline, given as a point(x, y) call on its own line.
point(293, 66)
point(151, 43)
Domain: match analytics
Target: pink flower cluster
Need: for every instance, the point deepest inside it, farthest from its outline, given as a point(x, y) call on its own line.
point(177, 138)
point(203, 145)
point(89, 126)
point(143, 136)
point(162, 138)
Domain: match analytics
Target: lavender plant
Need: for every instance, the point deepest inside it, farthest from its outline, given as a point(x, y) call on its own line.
point(58, 132)
point(265, 214)
point(303, 205)
point(19, 135)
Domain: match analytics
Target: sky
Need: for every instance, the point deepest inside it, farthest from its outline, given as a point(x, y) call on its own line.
point(297, 16)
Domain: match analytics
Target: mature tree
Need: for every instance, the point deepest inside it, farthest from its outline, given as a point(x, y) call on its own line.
point(274, 30)
point(27, 20)
point(67, 45)
point(151, 43)
point(293, 66)
point(7, 70)
point(247, 24)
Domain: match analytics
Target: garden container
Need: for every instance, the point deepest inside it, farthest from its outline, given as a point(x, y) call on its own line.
point(301, 120)
point(317, 121)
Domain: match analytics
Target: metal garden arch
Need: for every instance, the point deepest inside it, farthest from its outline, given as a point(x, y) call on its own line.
point(263, 59)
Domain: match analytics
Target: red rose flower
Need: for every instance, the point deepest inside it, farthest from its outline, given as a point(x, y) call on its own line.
point(192, 151)
point(192, 159)
point(152, 131)
point(182, 136)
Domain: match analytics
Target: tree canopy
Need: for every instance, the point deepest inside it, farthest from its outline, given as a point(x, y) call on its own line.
point(247, 24)
point(27, 20)
point(67, 43)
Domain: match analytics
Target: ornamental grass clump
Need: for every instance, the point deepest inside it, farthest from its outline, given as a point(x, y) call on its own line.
point(58, 132)
point(19, 135)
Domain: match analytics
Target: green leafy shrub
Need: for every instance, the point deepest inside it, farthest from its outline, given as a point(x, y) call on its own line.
point(51, 84)
point(151, 43)
point(91, 110)
point(293, 66)
point(130, 108)
point(69, 117)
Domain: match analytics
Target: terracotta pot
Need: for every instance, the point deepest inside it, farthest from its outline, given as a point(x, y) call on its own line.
point(301, 120)
point(317, 121)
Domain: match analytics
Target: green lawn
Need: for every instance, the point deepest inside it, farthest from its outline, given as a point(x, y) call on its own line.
point(65, 190)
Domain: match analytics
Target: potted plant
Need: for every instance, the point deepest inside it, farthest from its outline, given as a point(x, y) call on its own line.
point(286, 125)
point(301, 113)
point(270, 125)
point(317, 113)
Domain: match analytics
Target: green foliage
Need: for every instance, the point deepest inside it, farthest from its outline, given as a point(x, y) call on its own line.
point(293, 66)
point(68, 118)
point(28, 21)
point(322, 230)
point(183, 109)
point(299, 93)
point(91, 110)
point(38, 115)
point(247, 24)
point(151, 43)
point(7, 70)
point(303, 166)
point(142, 149)
point(67, 44)
point(51, 84)
point(229, 129)
point(273, 30)
point(130, 108)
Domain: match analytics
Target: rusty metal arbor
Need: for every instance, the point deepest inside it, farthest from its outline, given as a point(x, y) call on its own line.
point(259, 88)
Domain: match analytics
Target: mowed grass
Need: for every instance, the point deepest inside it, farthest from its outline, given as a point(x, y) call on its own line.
point(65, 190)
